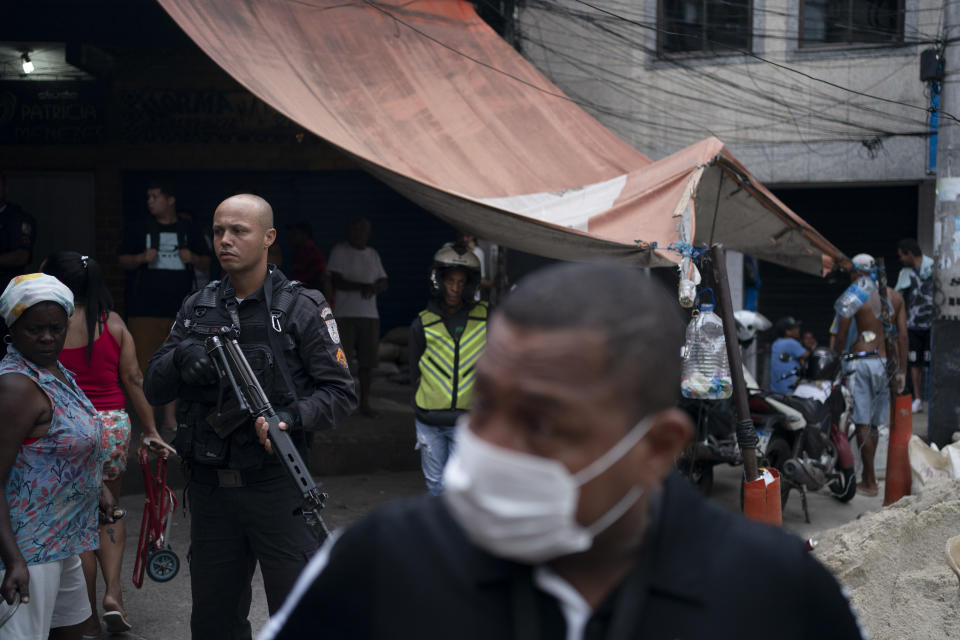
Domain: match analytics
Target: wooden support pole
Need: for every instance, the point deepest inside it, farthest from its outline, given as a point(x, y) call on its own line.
point(746, 434)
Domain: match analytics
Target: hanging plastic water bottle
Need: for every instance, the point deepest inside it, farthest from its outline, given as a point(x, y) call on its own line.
point(706, 372)
point(855, 296)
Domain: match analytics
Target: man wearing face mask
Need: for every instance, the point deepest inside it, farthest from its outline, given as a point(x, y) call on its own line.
point(561, 516)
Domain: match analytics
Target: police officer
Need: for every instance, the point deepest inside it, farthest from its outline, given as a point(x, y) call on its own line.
point(446, 339)
point(242, 503)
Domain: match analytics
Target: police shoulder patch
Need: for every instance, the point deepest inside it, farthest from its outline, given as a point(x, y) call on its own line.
point(333, 331)
point(326, 312)
point(342, 358)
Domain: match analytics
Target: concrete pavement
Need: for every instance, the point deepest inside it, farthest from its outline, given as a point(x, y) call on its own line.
point(161, 611)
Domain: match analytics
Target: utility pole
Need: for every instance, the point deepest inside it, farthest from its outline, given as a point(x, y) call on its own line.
point(944, 411)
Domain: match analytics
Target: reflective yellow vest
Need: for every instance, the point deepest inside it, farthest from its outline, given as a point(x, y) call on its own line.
point(448, 366)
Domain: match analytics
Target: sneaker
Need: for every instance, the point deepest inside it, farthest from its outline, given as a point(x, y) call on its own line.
point(917, 406)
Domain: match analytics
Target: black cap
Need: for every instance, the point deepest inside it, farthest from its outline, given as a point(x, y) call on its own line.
point(786, 323)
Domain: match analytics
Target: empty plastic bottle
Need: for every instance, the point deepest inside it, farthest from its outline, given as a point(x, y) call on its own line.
point(855, 296)
point(706, 371)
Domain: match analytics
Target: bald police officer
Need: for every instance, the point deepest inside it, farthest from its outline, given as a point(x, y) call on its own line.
point(242, 504)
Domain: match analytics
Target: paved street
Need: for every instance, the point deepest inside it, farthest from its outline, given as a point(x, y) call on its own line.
point(161, 611)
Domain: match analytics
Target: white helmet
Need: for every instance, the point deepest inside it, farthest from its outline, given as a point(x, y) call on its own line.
point(455, 257)
point(749, 323)
point(864, 262)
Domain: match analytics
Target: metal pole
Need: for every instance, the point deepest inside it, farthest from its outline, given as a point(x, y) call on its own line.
point(746, 434)
point(945, 349)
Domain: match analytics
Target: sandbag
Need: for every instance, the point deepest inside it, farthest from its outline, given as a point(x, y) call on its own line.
point(929, 464)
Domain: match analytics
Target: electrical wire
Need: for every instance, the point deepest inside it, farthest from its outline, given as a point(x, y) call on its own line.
point(774, 64)
point(751, 109)
point(672, 127)
point(784, 104)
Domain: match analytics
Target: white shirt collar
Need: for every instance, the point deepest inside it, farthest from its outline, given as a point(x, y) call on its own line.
point(576, 610)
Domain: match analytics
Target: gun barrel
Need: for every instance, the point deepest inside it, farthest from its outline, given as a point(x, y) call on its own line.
point(235, 367)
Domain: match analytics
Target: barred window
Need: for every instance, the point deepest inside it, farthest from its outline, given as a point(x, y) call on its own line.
point(704, 25)
point(850, 21)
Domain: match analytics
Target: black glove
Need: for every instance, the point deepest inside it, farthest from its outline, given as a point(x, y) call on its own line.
point(291, 416)
point(195, 366)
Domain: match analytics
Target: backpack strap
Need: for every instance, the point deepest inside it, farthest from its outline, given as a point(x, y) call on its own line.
point(153, 231)
point(283, 300)
point(279, 302)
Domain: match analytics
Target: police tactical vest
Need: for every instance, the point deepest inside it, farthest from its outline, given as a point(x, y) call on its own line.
point(214, 430)
point(448, 364)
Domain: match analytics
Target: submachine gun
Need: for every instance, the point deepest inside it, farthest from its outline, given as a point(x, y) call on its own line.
point(232, 365)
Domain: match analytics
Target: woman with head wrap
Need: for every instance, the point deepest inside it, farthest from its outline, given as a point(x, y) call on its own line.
point(51, 453)
point(101, 354)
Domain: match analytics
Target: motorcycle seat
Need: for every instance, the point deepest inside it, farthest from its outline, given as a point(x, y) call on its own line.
point(813, 412)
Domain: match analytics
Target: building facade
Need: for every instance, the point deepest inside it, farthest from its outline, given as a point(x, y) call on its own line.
point(822, 100)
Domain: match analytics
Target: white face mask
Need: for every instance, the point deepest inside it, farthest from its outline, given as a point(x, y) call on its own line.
point(523, 507)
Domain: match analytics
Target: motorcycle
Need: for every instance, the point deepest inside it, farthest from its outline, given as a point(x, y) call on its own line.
point(802, 435)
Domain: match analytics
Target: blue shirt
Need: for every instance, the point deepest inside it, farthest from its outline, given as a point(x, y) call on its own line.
point(778, 369)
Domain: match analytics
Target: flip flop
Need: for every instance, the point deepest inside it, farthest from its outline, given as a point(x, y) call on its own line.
point(868, 492)
point(116, 622)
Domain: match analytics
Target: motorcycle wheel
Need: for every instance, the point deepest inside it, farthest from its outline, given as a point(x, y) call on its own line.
point(844, 490)
point(778, 452)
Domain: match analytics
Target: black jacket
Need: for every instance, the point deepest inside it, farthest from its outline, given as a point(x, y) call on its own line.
point(407, 571)
point(312, 351)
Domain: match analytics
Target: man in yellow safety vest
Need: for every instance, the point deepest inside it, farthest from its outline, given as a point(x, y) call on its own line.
point(446, 339)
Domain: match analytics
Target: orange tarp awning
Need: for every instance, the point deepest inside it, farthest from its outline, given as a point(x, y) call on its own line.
point(427, 97)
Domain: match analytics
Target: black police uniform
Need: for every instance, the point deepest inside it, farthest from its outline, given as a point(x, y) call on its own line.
point(242, 502)
point(409, 571)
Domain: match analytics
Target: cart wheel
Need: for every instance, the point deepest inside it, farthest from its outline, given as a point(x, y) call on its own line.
point(163, 565)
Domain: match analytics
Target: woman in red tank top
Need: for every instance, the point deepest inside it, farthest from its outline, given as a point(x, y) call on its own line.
point(100, 351)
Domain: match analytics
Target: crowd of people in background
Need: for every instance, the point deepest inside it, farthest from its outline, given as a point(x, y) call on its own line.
point(66, 336)
point(900, 316)
point(80, 364)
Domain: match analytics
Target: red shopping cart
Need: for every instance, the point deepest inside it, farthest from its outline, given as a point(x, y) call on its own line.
point(154, 555)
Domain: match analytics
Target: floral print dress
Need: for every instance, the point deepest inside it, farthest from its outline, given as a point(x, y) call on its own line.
point(53, 487)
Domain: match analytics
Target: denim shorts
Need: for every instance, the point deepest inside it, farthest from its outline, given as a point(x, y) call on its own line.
point(867, 380)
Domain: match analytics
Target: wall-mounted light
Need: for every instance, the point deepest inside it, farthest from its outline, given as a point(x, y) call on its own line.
point(26, 62)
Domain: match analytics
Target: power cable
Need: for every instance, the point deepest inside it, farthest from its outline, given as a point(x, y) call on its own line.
point(749, 109)
point(694, 69)
point(776, 64)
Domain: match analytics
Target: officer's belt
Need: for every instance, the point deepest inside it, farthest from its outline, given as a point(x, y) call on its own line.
point(232, 478)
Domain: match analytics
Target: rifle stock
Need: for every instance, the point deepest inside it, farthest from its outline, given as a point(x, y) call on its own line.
point(233, 367)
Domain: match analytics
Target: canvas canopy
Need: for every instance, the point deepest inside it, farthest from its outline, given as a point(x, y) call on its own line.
point(425, 96)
